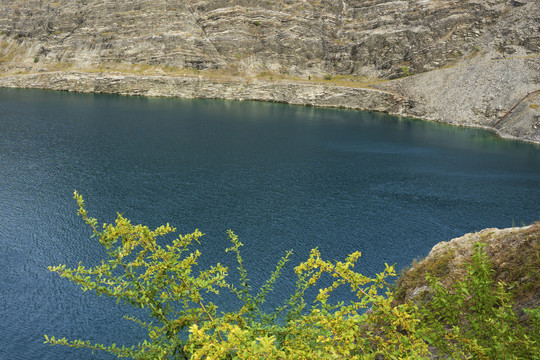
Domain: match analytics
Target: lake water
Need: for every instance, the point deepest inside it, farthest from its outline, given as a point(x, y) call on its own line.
point(282, 177)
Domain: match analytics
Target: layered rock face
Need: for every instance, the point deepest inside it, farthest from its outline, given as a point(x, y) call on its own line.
point(363, 37)
point(289, 92)
point(382, 39)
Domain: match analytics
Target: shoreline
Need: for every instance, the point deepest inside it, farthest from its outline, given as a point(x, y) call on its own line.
point(292, 92)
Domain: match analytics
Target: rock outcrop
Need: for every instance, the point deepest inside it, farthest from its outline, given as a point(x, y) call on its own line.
point(201, 87)
point(474, 59)
point(513, 252)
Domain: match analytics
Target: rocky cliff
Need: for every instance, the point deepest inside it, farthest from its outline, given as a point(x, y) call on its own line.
point(513, 252)
point(473, 60)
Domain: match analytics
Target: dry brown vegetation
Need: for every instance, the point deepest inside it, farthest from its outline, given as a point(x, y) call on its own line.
point(514, 253)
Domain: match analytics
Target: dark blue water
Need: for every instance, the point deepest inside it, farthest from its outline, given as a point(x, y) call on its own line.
point(282, 177)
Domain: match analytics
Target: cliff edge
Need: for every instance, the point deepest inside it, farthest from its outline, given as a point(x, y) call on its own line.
point(513, 252)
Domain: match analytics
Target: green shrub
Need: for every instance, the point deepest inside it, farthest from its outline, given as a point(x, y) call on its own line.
point(475, 319)
point(406, 71)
